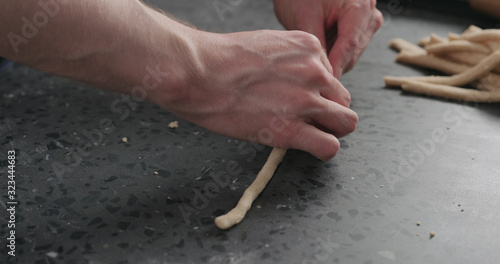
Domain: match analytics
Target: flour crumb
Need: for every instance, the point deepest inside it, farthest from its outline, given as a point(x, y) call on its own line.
point(52, 254)
point(173, 125)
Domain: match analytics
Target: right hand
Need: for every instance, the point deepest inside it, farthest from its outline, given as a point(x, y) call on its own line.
point(272, 87)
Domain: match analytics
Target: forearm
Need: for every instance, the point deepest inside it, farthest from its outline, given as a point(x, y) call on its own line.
point(265, 86)
point(114, 45)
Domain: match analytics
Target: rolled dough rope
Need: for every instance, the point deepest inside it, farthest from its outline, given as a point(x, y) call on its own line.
point(482, 36)
point(489, 37)
point(454, 36)
point(483, 84)
point(403, 45)
point(237, 214)
point(488, 82)
point(469, 58)
point(457, 45)
point(451, 92)
point(437, 39)
point(432, 62)
point(472, 29)
point(468, 76)
point(431, 39)
point(493, 45)
point(424, 41)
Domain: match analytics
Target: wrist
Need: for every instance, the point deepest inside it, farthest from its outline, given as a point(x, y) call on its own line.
point(163, 59)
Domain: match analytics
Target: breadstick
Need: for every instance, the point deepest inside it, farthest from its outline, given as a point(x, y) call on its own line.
point(457, 45)
point(483, 83)
point(399, 81)
point(472, 29)
point(454, 36)
point(403, 45)
point(471, 74)
point(436, 39)
point(432, 62)
point(493, 45)
point(488, 37)
point(463, 74)
point(424, 41)
point(431, 39)
point(483, 35)
point(237, 214)
point(452, 92)
point(468, 58)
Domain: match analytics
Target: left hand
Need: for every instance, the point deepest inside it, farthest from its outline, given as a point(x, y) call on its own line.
point(344, 27)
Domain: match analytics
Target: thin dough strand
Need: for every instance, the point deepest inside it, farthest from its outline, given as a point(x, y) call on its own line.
point(457, 45)
point(451, 92)
point(482, 36)
point(469, 75)
point(237, 214)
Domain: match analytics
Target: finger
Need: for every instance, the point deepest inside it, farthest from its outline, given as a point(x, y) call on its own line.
point(313, 26)
point(317, 28)
point(351, 25)
point(336, 92)
point(326, 63)
point(337, 119)
point(322, 145)
point(331, 37)
point(374, 24)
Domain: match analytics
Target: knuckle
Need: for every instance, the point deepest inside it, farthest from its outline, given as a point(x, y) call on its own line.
point(353, 43)
point(317, 70)
point(307, 101)
point(309, 40)
point(347, 99)
point(344, 97)
point(332, 148)
point(285, 139)
point(357, 5)
point(312, 72)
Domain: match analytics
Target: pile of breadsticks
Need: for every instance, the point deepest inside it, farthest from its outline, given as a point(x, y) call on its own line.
point(471, 58)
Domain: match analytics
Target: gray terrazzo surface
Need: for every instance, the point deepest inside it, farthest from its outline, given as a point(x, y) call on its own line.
point(153, 198)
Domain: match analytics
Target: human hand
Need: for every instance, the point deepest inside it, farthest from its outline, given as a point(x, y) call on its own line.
point(272, 87)
point(344, 27)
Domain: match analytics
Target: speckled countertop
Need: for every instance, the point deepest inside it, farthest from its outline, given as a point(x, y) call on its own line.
point(86, 196)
